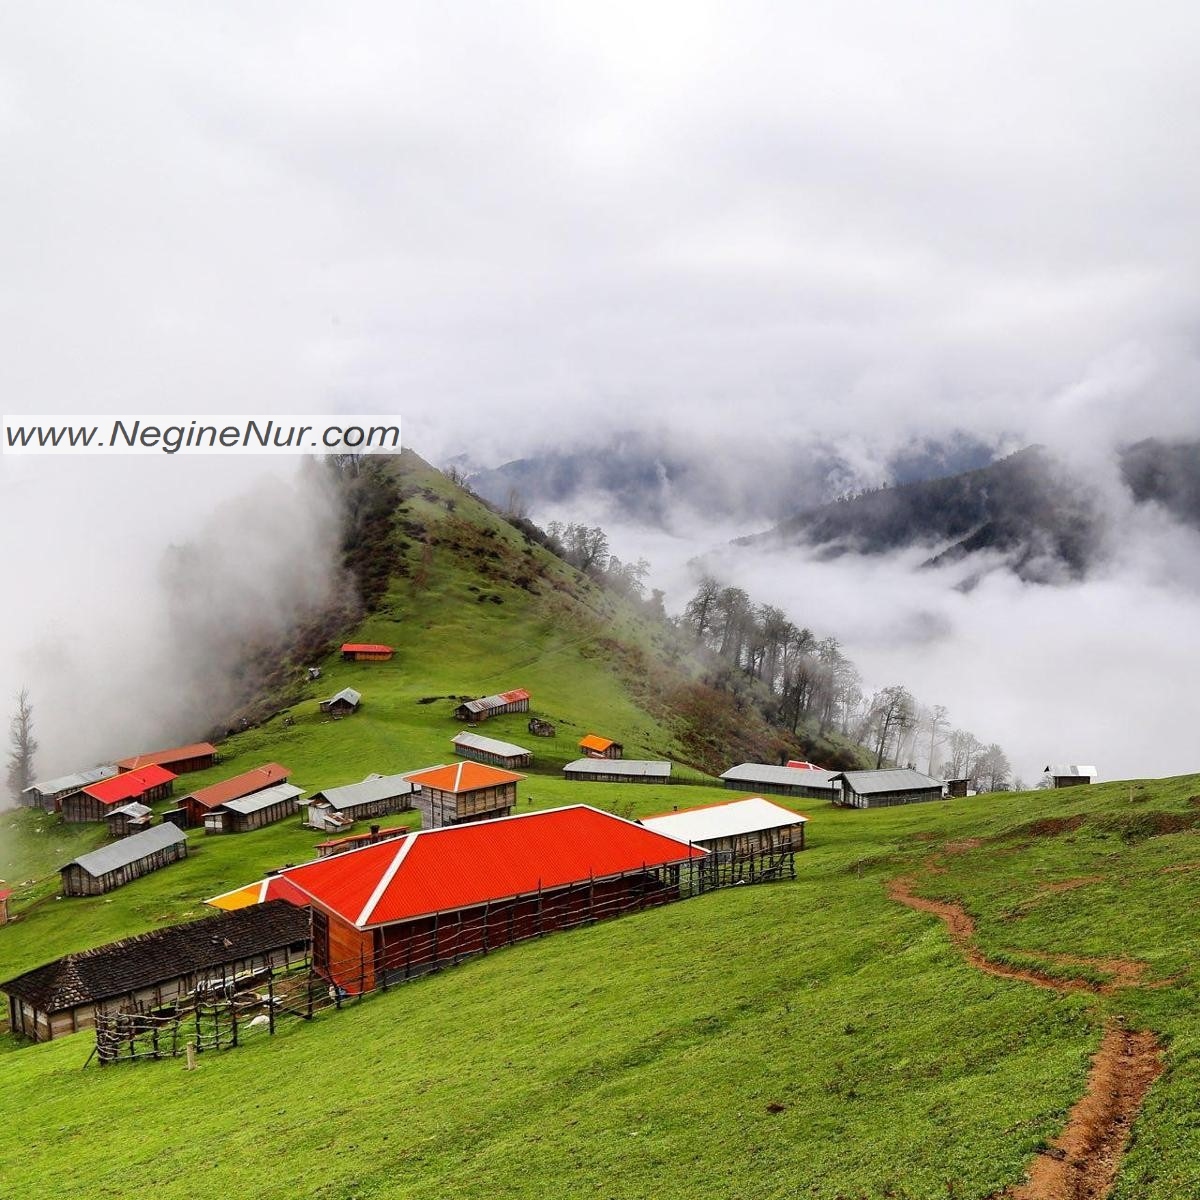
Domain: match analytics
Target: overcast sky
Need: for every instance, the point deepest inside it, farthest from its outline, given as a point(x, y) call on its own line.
point(512, 223)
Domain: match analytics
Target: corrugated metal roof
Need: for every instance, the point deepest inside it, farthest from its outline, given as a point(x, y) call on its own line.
point(489, 745)
point(463, 777)
point(80, 779)
point(240, 785)
point(133, 809)
point(619, 766)
point(752, 773)
point(366, 648)
point(166, 757)
point(800, 764)
point(441, 870)
point(263, 799)
point(371, 789)
point(350, 695)
point(484, 703)
point(712, 822)
point(1087, 772)
point(130, 785)
point(593, 741)
point(129, 849)
point(274, 887)
point(900, 779)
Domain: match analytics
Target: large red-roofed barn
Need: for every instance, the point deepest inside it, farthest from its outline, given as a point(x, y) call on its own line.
point(180, 759)
point(97, 800)
point(405, 906)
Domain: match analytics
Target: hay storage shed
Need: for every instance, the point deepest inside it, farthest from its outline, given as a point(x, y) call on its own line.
point(254, 811)
point(375, 796)
point(1070, 775)
point(342, 703)
point(474, 711)
point(809, 782)
point(366, 652)
point(48, 794)
point(121, 862)
point(129, 818)
point(491, 750)
point(884, 788)
point(595, 746)
point(199, 803)
point(621, 770)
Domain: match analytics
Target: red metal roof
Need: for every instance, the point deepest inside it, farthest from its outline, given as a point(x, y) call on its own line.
point(245, 784)
point(515, 695)
point(274, 887)
point(797, 765)
point(462, 777)
point(161, 757)
point(365, 648)
point(593, 741)
point(128, 786)
point(441, 870)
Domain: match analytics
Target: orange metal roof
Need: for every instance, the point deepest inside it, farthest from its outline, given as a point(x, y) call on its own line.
point(462, 777)
point(461, 866)
point(365, 648)
point(166, 757)
point(594, 741)
point(274, 887)
point(245, 784)
point(128, 786)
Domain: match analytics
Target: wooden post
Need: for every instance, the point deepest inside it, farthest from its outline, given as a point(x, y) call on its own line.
point(308, 1017)
point(191, 1056)
point(271, 1003)
point(196, 1010)
point(362, 970)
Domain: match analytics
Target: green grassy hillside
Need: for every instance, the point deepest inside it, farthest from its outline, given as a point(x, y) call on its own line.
point(810, 1038)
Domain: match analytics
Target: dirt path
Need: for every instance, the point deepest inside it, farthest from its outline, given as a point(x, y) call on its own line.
point(1083, 1161)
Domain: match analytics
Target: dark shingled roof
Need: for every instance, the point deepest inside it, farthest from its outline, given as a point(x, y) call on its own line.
point(160, 955)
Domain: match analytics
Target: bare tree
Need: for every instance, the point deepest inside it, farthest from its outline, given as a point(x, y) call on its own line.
point(24, 746)
point(936, 722)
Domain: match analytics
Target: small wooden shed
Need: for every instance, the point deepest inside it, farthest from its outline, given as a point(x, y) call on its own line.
point(375, 796)
point(197, 804)
point(122, 862)
point(957, 787)
point(366, 652)
point(490, 750)
point(48, 794)
point(462, 792)
point(342, 703)
point(129, 818)
point(1071, 775)
point(474, 711)
point(595, 746)
point(254, 811)
point(884, 788)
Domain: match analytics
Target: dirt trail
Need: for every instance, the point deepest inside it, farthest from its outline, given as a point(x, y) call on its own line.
point(1083, 1161)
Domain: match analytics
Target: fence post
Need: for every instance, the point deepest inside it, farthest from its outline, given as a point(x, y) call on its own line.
point(199, 1045)
point(271, 1003)
point(362, 970)
point(539, 909)
point(310, 977)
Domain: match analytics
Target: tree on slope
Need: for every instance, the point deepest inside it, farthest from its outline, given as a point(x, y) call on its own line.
point(23, 746)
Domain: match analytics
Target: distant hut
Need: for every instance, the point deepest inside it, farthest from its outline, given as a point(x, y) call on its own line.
point(624, 770)
point(48, 794)
point(595, 746)
point(155, 969)
point(474, 711)
point(129, 818)
point(807, 781)
point(342, 703)
point(957, 787)
point(376, 796)
point(255, 810)
point(94, 802)
point(366, 652)
point(881, 789)
point(1069, 775)
point(201, 802)
point(463, 792)
point(179, 760)
point(122, 862)
point(489, 750)
point(540, 728)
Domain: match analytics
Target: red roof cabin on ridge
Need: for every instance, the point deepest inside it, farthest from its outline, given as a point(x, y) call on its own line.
point(366, 652)
point(407, 905)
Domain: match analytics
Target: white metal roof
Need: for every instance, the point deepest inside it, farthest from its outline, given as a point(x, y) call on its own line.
point(264, 799)
point(80, 779)
point(349, 694)
point(1070, 769)
point(714, 822)
point(619, 766)
point(769, 773)
point(374, 787)
point(489, 745)
point(135, 808)
point(129, 849)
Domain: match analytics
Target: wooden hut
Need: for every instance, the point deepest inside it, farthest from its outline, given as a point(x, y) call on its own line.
point(155, 970)
point(622, 770)
point(179, 760)
point(129, 818)
point(595, 746)
point(402, 907)
point(201, 802)
point(957, 787)
point(1069, 775)
point(483, 709)
point(748, 841)
point(812, 783)
point(147, 785)
point(48, 794)
point(881, 789)
point(376, 796)
point(342, 703)
point(540, 728)
point(489, 750)
point(254, 811)
point(462, 792)
point(366, 652)
point(121, 862)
